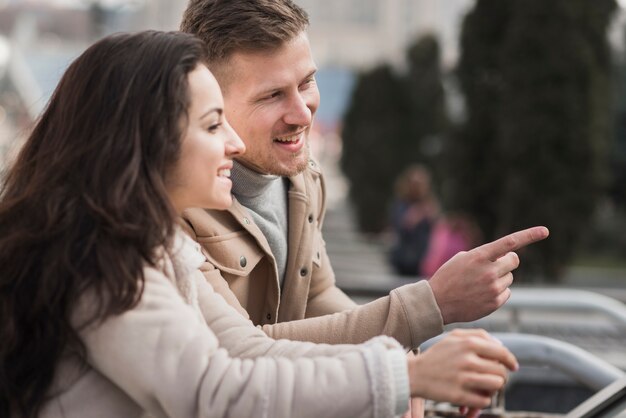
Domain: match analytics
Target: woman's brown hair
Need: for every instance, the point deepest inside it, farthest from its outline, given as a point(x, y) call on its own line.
point(84, 207)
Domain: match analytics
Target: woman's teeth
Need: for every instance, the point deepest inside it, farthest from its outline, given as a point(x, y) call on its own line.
point(224, 173)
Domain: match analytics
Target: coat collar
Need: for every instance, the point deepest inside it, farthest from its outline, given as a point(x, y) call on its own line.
point(299, 202)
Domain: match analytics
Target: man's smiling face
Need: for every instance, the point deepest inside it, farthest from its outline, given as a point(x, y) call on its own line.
point(270, 100)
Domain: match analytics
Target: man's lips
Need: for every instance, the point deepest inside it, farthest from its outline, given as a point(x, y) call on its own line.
point(289, 139)
point(291, 144)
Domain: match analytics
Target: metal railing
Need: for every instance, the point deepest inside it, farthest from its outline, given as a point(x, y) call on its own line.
point(577, 364)
point(555, 299)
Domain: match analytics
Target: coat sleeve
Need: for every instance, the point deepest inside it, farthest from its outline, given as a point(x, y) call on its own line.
point(409, 314)
point(165, 358)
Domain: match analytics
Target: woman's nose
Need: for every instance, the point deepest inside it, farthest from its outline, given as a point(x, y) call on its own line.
point(234, 145)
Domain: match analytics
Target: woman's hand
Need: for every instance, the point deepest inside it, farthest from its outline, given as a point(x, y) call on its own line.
point(465, 368)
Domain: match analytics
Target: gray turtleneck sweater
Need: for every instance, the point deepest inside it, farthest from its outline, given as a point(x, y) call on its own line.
point(265, 197)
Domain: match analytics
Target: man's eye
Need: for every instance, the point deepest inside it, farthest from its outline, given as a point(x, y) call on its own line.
point(308, 82)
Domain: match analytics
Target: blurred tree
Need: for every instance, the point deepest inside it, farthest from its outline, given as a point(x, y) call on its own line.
point(427, 121)
point(618, 152)
point(97, 18)
point(392, 121)
point(472, 158)
point(543, 135)
point(374, 125)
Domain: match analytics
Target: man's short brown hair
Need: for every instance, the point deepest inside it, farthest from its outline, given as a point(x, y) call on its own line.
point(229, 26)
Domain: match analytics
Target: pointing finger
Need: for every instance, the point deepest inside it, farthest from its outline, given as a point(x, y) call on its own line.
point(496, 249)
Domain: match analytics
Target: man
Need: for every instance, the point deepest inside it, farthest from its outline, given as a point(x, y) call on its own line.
point(266, 254)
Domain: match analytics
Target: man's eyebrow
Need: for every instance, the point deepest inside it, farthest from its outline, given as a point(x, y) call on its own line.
point(277, 87)
point(311, 74)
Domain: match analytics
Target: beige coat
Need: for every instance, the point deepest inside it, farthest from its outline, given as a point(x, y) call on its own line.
point(162, 359)
point(242, 269)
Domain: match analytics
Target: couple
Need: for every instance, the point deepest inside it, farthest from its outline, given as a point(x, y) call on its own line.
point(108, 309)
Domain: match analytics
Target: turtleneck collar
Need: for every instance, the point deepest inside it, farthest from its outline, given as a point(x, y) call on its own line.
point(249, 183)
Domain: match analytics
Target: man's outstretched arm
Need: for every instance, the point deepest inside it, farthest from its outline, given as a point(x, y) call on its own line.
point(469, 286)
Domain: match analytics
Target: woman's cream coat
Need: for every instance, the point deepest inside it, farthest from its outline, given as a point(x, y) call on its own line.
point(184, 352)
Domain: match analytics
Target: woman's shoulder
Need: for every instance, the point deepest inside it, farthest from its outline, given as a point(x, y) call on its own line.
point(178, 265)
point(183, 257)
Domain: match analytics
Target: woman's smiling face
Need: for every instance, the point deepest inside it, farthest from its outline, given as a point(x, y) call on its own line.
point(201, 176)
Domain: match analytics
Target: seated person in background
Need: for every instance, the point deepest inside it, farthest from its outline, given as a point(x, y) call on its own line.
point(451, 234)
point(413, 214)
point(103, 309)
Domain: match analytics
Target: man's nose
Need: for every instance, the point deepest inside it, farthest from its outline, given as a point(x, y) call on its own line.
point(299, 111)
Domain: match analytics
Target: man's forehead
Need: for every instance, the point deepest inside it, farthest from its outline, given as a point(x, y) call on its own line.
point(271, 68)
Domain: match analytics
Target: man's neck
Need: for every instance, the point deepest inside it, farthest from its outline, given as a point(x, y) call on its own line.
point(265, 198)
point(248, 182)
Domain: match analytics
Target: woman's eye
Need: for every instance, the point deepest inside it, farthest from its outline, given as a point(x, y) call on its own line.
point(214, 127)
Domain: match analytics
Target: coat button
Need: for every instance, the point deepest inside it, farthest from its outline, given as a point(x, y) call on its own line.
point(304, 271)
point(269, 317)
point(242, 261)
point(246, 221)
point(310, 219)
point(312, 163)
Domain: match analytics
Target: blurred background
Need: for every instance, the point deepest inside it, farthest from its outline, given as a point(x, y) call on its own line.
point(443, 124)
point(513, 111)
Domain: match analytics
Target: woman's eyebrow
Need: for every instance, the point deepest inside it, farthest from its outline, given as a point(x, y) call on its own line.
point(219, 111)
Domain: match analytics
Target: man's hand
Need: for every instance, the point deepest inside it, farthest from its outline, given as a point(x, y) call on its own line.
point(465, 368)
point(474, 283)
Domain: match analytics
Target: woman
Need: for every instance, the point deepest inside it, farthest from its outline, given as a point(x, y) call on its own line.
point(103, 310)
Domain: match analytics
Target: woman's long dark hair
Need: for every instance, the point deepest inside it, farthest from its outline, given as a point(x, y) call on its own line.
point(85, 206)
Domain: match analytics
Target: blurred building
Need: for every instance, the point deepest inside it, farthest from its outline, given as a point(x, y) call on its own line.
point(351, 35)
point(163, 14)
point(41, 37)
point(38, 40)
point(361, 33)
point(348, 35)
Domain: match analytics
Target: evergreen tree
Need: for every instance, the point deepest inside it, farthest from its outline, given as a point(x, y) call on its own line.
point(472, 159)
point(374, 125)
point(544, 141)
point(427, 122)
point(618, 148)
point(392, 121)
